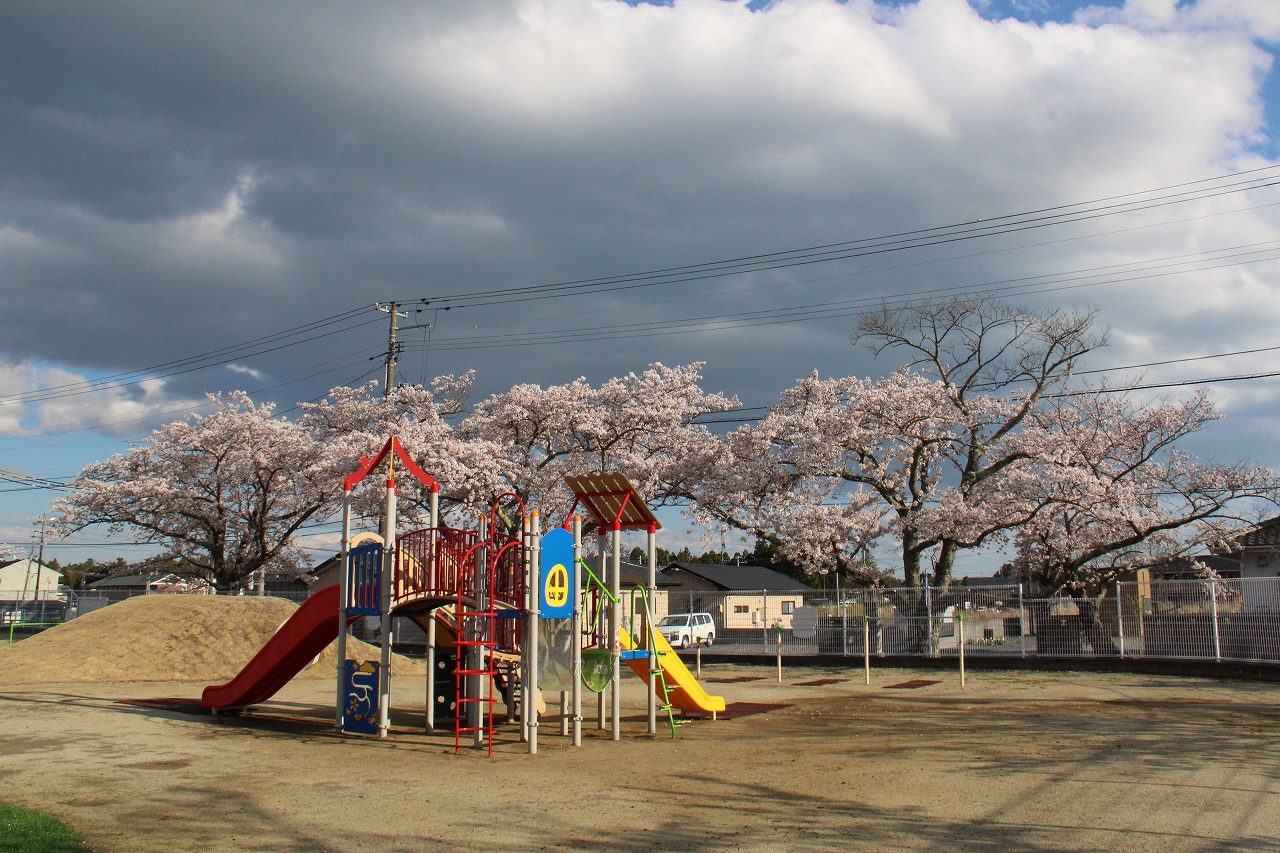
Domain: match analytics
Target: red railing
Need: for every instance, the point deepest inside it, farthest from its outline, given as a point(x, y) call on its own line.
point(452, 573)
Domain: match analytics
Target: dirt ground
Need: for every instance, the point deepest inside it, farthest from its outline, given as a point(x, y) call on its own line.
point(1014, 761)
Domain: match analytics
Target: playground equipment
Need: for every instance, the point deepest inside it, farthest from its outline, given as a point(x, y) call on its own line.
point(498, 599)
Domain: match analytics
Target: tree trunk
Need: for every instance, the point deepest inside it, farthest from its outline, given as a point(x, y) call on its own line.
point(946, 559)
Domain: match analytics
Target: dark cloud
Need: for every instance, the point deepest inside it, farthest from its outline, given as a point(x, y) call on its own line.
point(178, 177)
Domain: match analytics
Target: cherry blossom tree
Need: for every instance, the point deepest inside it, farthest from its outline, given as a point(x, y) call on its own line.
point(225, 494)
point(1120, 494)
point(351, 423)
point(638, 424)
point(826, 473)
point(994, 363)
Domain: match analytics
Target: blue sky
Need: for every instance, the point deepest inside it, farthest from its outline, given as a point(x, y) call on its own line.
point(179, 182)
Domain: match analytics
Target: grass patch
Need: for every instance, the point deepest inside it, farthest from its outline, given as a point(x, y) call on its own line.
point(22, 831)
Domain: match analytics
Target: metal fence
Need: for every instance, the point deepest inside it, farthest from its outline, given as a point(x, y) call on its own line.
point(1225, 620)
point(23, 606)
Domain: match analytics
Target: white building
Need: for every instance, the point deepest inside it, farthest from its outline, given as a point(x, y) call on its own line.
point(1259, 553)
point(27, 580)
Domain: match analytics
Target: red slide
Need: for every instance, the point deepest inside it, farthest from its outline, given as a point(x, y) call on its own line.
point(297, 642)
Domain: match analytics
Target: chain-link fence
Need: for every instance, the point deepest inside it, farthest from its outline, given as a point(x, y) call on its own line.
point(1225, 620)
point(1233, 620)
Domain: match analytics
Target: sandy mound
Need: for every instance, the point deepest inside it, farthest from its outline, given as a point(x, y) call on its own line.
point(166, 638)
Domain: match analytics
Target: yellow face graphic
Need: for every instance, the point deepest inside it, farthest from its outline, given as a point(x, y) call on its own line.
point(556, 586)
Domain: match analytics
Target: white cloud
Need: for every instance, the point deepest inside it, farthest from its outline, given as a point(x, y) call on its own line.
point(246, 371)
point(110, 408)
point(15, 381)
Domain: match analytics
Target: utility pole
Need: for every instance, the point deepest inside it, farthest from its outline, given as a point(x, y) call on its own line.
point(39, 567)
point(393, 349)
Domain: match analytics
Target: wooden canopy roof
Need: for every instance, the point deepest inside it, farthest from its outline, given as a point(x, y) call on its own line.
point(614, 504)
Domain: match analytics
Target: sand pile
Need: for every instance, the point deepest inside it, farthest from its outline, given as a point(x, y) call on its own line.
point(166, 638)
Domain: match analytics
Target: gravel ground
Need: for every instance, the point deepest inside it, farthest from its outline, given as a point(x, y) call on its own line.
point(1014, 761)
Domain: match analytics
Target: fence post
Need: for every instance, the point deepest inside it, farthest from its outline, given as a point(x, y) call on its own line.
point(932, 650)
point(764, 622)
point(1213, 598)
point(866, 646)
point(1120, 617)
point(844, 624)
point(1023, 622)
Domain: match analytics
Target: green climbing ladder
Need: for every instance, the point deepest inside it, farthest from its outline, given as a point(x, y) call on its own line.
point(657, 673)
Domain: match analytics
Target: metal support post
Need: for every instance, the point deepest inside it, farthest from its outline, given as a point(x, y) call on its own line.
point(602, 638)
point(1023, 622)
point(532, 526)
point(1120, 617)
point(615, 623)
point(655, 665)
point(476, 653)
point(429, 580)
point(431, 672)
point(764, 618)
point(844, 618)
point(928, 620)
point(527, 637)
point(866, 646)
point(388, 579)
point(577, 632)
point(1217, 639)
point(344, 591)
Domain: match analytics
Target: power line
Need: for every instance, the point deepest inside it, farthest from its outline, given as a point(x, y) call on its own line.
point(190, 365)
point(1044, 283)
point(190, 407)
point(1153, 386)
point(921, 238)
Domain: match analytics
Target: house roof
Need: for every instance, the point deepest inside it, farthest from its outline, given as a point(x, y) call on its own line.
point(730, 578)
point(1182, 565)
point(118, 580)
point(1265, 535)
point(31, 564)
point(977, 582)
point(639, 574)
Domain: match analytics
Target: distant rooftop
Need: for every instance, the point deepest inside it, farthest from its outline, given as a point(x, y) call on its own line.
point(1265, 535)
point(730, 578)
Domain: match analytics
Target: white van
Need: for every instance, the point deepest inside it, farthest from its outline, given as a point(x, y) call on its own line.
point(682, 630)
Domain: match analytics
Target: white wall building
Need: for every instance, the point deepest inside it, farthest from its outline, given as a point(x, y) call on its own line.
point(27, 580)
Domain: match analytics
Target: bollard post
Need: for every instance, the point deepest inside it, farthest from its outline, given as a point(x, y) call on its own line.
point(778, 633)
point(866, 646)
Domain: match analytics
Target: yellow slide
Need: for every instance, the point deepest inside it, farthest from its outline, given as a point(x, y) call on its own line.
point(686, 693)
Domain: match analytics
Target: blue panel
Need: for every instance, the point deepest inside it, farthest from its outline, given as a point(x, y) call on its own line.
point(360, 710)
point(558, 588)
point(364, 580)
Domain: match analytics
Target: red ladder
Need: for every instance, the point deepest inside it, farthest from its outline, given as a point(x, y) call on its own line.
point(475, 639)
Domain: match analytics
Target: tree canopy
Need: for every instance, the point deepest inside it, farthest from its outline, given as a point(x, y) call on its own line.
point(977, 441)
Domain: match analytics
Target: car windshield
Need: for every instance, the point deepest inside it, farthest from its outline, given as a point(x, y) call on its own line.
point(673, 621)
